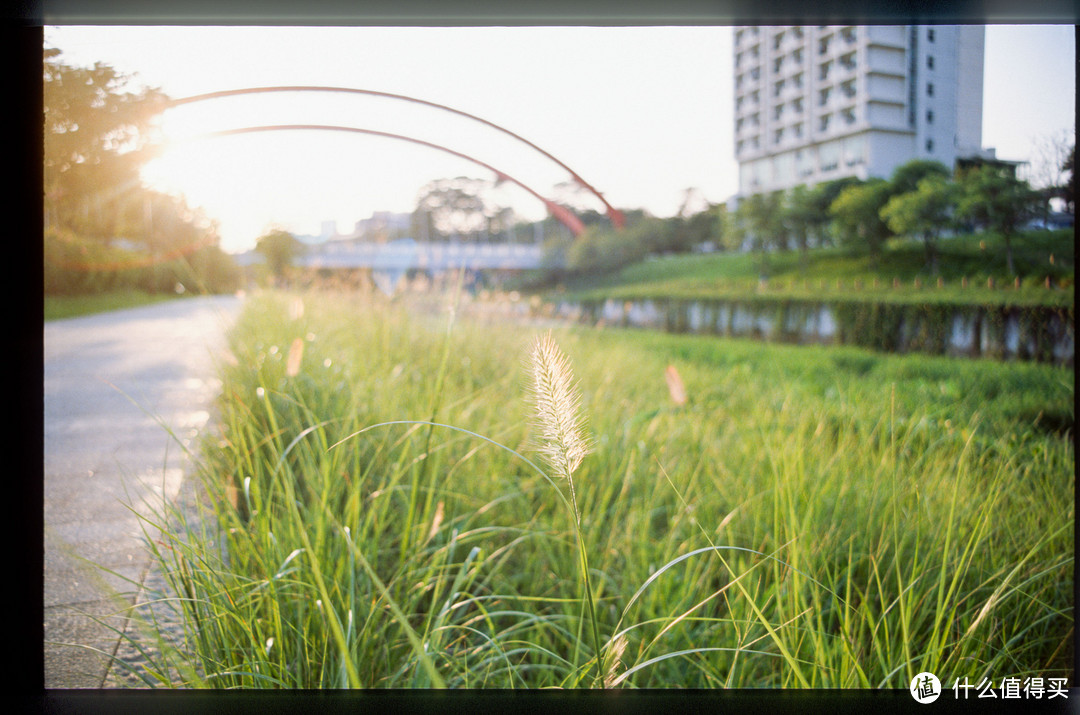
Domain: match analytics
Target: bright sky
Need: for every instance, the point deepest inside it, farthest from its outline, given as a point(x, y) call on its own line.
point(641, 113)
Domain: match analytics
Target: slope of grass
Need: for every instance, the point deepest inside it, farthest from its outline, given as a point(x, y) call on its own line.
point(831, 273)
point(806, 517)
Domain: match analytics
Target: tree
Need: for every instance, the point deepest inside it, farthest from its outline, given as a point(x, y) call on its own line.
point(999, 201)
point(802, 216)
point(820, 198)
point(95, 140)
point(758, 221)
point(280, 248)
point(1069, 187)
point(857, 221)
point(1049, 156)
point(604, 249)
point(696, 229)
point(459, 207)
point(906, 177)
point(926, 212)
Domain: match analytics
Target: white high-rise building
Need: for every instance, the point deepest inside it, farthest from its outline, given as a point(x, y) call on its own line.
point(816, 103)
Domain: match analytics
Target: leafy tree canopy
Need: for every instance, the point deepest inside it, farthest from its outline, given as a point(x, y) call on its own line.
point(95, 138)
point(280, 248)
point(857, 221)
point(906, 177)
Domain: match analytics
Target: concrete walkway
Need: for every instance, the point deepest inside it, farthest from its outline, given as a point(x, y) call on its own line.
point(115, 386)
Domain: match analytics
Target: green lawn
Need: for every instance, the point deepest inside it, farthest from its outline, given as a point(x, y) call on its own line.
point(809, 517)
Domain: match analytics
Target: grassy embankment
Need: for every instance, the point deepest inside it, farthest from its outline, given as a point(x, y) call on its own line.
point(966, 265)
point(809, 517)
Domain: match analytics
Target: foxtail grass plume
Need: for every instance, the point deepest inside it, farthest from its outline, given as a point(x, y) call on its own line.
point(558, 408)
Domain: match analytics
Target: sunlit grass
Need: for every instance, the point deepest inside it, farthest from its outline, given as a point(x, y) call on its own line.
point(799, 517)
point(60, 307)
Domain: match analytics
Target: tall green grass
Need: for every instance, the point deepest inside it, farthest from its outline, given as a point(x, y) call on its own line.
point(807, 517)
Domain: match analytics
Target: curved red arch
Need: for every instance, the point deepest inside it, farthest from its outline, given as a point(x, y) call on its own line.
point(567, 218)
point(616, 216)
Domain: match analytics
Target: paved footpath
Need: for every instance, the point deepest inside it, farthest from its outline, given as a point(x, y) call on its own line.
point(115, 386)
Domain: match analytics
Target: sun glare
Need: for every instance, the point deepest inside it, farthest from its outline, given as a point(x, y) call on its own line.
point(179, 168)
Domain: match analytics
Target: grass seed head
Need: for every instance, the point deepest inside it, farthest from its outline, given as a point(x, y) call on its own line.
point(614, 661)
point(558, 407)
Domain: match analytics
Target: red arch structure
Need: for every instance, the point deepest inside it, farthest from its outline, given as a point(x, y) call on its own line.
point(614, 214)
point(567, 218)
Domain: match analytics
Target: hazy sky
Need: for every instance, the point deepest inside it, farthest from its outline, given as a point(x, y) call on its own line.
point(642, 114)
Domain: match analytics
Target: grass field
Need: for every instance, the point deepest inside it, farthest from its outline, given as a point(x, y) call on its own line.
point(751, 515)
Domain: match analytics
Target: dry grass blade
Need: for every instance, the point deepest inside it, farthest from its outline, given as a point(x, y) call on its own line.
point(296, 355)
point(675, 385)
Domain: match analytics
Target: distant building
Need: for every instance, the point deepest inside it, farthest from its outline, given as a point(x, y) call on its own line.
point(328, 229)
point(818, 103)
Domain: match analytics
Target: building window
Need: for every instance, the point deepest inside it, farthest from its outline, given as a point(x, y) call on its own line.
point(797, 80)
point(930, 89)
point(849, 116)
point(929, 116)
point(779, 136)
point(778, 112)
point(930, 62)
point(778, 88)
point(823, 98)
point(825, 70)
point(929, 146)
point(797, 56)
point(823, 46)
point(824, 125)
point(777, 64)
point(778, 40)
point(930, 35)
point(796, 105)
point(797, 32)
point(848, 61)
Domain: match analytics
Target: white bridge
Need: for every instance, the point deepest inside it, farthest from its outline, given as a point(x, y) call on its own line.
point(407, 254)
point(389, 262)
